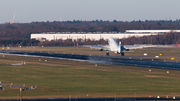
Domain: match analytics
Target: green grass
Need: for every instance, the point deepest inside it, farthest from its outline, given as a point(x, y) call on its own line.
point(61, 78)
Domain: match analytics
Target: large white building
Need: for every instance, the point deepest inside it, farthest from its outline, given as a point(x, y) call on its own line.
point(96, 36)
point(151, 31)
point(74, 36)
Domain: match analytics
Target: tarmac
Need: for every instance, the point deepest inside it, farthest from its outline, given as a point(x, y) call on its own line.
point(123, 60)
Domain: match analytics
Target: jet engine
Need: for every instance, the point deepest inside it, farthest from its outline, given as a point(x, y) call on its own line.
point(100, 49)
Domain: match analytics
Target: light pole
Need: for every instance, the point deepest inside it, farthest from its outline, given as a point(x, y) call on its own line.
point(20, 94)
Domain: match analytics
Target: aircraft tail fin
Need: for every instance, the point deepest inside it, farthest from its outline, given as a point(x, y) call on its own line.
point(122, 48)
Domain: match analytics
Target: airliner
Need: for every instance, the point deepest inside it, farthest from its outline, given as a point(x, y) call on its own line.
point(117, 48)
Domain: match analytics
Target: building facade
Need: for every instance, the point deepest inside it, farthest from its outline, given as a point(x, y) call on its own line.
point(84, 36)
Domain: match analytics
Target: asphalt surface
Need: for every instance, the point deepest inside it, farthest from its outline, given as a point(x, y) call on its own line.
point(150, 63)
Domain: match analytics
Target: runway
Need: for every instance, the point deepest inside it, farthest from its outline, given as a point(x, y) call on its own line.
point(155, 63)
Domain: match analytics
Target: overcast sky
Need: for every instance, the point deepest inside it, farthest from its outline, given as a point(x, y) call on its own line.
point(121, 10)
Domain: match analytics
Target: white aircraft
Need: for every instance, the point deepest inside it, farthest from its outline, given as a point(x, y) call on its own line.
point(117, 48)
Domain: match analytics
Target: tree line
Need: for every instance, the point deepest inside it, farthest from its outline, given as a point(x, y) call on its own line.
point(22, 31)
point(18, 34)
point(17, 43)
point(161, 39)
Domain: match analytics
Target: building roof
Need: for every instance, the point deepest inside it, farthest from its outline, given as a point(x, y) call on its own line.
point(151, 31)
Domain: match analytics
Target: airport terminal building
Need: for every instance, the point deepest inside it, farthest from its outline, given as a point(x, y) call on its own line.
point(96, 35)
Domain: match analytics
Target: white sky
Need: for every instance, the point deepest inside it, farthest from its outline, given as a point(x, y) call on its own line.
point(121, 10)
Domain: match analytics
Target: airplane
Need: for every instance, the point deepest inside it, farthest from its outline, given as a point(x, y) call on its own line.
point(117, 48)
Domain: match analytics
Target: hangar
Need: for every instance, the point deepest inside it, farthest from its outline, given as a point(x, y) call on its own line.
point(95, 35)
point(151, 31)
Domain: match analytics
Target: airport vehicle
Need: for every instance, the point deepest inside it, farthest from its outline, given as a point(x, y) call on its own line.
point(117, 48)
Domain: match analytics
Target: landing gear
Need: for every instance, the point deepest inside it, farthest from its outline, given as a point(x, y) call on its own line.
point(122, 54)
point(107, 53)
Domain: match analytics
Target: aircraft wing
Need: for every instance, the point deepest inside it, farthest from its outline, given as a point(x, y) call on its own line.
point(96, 47)
point(138, 46)
point(128, 51)
point(133, 47)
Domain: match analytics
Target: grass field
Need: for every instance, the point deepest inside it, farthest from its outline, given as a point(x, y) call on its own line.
point(63, 78)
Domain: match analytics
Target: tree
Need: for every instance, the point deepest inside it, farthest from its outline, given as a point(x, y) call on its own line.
point(114, 21)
